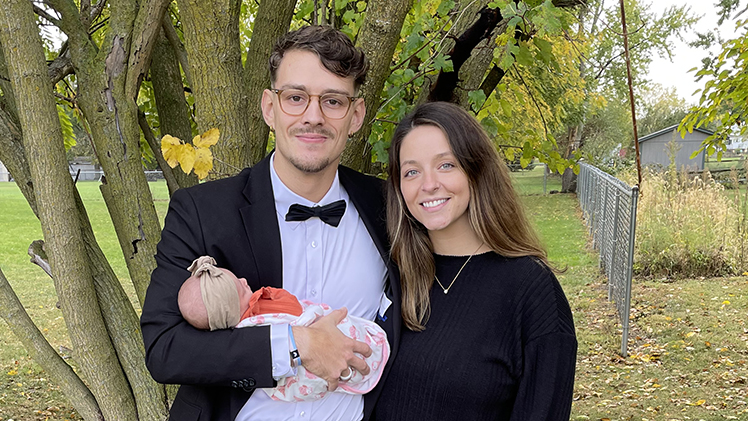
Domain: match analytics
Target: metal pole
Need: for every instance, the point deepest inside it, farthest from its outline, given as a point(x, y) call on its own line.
point(631, 92)
point(629, 274)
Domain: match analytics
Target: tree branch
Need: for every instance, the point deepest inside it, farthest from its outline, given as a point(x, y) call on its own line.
point(60, 67)
point(488, 19)
point(43, 13)
point(171, 181)
point(540, 112)
point(176, 44)
point(146, 29)
point(42, 352)
point(492, 80)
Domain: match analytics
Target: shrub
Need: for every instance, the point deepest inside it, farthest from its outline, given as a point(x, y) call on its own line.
point(687, 226)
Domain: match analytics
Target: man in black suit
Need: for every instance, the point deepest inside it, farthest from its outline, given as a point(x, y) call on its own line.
point(296, 220)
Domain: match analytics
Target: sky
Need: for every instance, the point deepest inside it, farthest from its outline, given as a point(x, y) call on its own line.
point(675, 73)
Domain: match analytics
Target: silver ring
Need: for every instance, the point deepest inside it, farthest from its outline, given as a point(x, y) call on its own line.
point(346, 377)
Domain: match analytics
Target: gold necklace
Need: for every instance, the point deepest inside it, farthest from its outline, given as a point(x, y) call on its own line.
point(446, 290)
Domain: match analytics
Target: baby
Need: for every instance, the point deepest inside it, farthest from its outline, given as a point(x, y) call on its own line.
point(214, 298)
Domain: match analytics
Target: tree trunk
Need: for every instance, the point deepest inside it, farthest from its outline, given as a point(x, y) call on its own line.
point(121, 321)
point(7, 100)
point(43, 354)
point(58, 212)
point(273, 20)
point(112, 117)
point(473, 73)
point(211, 34)
point(13, 156)
point(378, 38)
point(173, 111)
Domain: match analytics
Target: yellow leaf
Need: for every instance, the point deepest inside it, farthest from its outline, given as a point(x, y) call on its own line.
point(186, 156)
point(203, 162)
point(12, 372)
point(169, 149)
point(207, 139)
point(726, 302)
point(689, 334)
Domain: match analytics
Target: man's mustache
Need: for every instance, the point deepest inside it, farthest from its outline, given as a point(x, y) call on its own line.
point(319, 131)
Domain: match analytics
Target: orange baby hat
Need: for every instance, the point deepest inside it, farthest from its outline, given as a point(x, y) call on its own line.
point(269, 300)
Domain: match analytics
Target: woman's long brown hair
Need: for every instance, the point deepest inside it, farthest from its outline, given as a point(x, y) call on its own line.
point(494, 209)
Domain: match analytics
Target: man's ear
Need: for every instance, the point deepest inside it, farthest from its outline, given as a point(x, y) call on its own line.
point(268, 113)
point(359, 112)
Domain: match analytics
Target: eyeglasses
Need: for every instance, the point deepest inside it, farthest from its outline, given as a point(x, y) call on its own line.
point(294, 102)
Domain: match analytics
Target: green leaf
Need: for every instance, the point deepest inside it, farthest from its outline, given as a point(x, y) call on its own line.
point(506, 107)
point(489, 124)
point(445, 7)
point(442, 63)
point(524, 56)
point(477, 98)
point(67, 128)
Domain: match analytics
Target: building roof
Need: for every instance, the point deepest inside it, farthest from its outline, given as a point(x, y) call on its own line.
point(669, 130)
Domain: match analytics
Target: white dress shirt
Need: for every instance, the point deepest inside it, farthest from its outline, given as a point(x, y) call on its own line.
point(324, 264)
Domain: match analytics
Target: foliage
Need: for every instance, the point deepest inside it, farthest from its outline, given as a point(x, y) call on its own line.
point(659, 108)
point(195, 156)
point(722, 100)
point(606, 132)
point(649, 34)
point(605, 121)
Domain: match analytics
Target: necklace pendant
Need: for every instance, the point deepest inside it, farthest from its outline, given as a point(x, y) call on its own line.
point(446, 291)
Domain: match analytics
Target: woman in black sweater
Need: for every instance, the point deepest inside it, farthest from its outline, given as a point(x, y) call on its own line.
point(490, 333)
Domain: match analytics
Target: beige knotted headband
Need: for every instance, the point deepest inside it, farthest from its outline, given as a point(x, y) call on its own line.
point(219, 293)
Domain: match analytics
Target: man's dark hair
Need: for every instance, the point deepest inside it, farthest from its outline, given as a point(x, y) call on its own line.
point(334, 49)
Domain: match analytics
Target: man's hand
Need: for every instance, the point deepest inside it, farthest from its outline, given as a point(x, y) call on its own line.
point(326, 352)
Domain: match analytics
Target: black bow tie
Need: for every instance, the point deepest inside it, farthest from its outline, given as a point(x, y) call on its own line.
point(329, 214)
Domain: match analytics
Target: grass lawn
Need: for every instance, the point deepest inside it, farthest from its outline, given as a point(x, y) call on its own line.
point(688, 343)
point(25, 392)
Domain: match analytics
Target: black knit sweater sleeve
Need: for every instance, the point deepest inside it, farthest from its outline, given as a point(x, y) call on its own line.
point(545, 386)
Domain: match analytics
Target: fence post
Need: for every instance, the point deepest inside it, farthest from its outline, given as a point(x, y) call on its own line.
point(602, 198)
point(630, 272)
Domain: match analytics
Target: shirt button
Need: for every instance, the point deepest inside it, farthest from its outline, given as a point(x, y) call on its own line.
point(314, 292)
point(314, 244)
point(302, 414)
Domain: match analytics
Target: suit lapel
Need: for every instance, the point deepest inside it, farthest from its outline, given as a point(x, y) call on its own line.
point(261, 225)
point(370, 206)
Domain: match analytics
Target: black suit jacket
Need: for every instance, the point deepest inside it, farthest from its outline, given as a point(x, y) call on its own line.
point(234, 220)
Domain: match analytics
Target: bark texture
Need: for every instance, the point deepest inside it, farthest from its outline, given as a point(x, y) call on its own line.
point(273, 20)
point(58, 213)
point(173, 112)
point(378, 38)
point(112, 118)
point(211, 34)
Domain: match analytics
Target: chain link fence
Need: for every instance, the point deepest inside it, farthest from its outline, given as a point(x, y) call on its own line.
point(90, 175)
point(609, 209)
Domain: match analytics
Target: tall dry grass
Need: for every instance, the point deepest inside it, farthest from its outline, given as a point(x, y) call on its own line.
point(688, 226)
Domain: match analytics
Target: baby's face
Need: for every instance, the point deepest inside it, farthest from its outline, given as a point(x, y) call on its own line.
point(245, 292)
